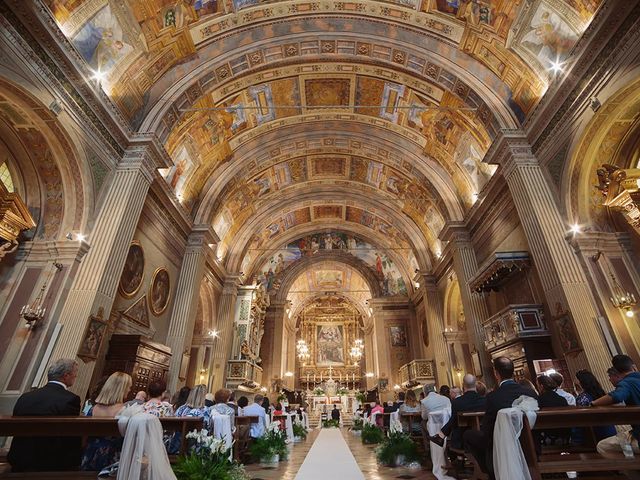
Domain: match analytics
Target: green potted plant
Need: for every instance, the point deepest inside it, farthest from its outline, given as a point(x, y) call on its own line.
point(330, 423)
point(371, 434)
point(318, 392)
point(358, 424)
point(361, 397)
point(342, 391)
point(272, 446)
point(208, 459)
point(281, 398)
point(299, 431)
point(397, 449)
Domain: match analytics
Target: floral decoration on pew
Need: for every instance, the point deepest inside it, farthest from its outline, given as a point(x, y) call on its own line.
point(299, 430)
point(208, 459)
point(272, 446)
point(331, 423)
point(358, 424)
point(397, 449)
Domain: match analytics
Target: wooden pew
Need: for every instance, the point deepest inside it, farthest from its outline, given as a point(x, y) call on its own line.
point(411, 419)
point(81, 427)
point(241, 437)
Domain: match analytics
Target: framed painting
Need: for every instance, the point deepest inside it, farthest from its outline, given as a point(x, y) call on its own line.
point(567, 336)
point(93, 337)
point(160, 291)
point(133, 272)
point(398, 336)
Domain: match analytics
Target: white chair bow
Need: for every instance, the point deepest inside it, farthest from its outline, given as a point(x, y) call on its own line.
point(436, 420)
point(509, 462)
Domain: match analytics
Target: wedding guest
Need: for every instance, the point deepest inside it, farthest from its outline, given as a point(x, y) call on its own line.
point(526, 383)
point(221, 398)
point(367, 410)
point(139, 399)
point(166, 396)
point(242, 403)
point(481, 388)
point(103, 451)
point(266, 405)
point(432, 402)
point(614, 376)
point(445, 391)
point(232, 403)
point(559, 379)
point(401, 400)
point(209, 400)
point(156, 405)
point(455, 393)
point(194, 406)
point(91, 398)
point(180, 398)
point(470, 401)
point(549, 398)
point(277, 409)
point(421, 396)
point(628, 391)
point(480, 442)
point(410, 405)
point(335, 413)
point(48, 453)
point(256, 409)
point(591, 390)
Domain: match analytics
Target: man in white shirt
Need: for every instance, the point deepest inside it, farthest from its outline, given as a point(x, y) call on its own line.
point(255, 409)
point(559, 379)
point(431, 402)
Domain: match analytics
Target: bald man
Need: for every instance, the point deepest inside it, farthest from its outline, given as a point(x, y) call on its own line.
point(469, 401)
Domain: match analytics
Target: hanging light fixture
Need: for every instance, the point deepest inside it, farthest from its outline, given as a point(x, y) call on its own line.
point(356, 350)
point(303, 351)
point(624, 300)
point(34, 312)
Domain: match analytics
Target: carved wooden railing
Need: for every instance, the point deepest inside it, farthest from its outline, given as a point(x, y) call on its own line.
point(513, 323)
point(417, 371)
point(243, 372)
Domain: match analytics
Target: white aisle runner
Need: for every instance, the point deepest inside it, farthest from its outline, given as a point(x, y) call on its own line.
point(329, 458)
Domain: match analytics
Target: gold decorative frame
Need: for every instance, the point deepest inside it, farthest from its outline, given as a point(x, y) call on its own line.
point(150, 292)
point(121, 291)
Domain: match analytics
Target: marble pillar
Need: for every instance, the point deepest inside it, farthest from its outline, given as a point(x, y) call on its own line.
point(272, 351)
point(96, 283)
point(225, 328)
point(434, 311)
point(369, 357)
point(185, 305)
point(563, 278)
point(475, 308)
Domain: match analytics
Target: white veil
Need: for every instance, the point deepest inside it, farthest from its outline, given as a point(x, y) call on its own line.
point(143, 454)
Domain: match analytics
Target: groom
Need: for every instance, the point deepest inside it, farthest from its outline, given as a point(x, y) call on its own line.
point(480, 442)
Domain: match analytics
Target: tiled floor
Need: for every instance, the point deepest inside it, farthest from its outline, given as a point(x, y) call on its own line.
point(364, 455)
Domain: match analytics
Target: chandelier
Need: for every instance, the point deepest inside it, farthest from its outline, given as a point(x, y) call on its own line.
point(33, 313)
point(624, 300)
point(303, 351)
point(356, 350)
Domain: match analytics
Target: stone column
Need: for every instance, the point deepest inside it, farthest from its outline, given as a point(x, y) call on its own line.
point(272, 349)
point(185, 305)
point(434, 310)
point(95, 285)
point(222, 344)
point(369, 356)
point(562, 277)
point(475, 308)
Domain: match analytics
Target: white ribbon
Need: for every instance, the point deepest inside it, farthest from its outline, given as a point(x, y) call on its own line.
point(509, 462)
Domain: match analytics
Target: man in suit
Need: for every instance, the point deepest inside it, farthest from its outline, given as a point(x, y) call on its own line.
point(470, 401)
point(480, 442)
point(48, 453)
point(335, 413)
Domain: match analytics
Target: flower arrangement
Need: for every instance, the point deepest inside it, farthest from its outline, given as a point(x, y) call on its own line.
point(272, 446)
point(342, 391)
point(371, 434)
point(331, 423)
point(358, 424)
point(318, 392)
point(281, 398)
point(299, 429)
point(361, 397)
point(208, 459)
point(397, 449)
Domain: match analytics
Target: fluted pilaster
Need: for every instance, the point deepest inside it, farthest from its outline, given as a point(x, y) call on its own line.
point(186, 303)
point(370, 356)
point(562, 277)
point(273, 342)
point(95, 285)
point(434, 310)
point(222, 344)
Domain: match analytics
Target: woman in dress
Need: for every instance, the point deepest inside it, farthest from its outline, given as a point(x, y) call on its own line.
point(221, 397)
point(193, 407)
point(410, 406)
point(591, 390)
point(155, 405)
point(103, 451)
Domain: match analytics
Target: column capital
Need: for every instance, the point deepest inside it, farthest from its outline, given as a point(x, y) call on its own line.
point(202, 235)
point(511, 149)
point(427, 281)
point(455, 232)
point(592, 243)
point(145, 153)
point(231, 284)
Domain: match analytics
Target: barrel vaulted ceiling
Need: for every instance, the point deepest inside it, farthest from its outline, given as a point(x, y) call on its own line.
point(289, 118)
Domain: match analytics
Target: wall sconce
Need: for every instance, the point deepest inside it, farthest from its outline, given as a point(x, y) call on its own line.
point(34, 313)
point(625, 301)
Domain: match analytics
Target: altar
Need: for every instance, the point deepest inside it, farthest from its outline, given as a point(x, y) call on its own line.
point(332, 394)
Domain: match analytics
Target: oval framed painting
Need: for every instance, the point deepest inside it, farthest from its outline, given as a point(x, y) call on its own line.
point(160, 291)
point(133, 272)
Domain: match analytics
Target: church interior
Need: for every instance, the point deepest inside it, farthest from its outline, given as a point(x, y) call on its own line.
point(317, 200)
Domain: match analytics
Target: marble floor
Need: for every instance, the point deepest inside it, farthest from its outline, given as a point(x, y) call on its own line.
point(364, 455)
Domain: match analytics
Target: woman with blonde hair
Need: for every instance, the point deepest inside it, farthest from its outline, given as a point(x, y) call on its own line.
point(410, 406)
point(103, 451)
point(193, 407)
